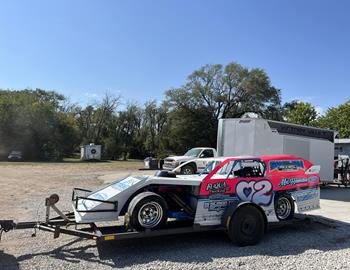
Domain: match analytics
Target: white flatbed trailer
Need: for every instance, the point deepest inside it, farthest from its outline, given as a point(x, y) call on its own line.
point(66, 224)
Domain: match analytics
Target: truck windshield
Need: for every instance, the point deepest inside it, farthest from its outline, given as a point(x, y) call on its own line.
point(194, 152)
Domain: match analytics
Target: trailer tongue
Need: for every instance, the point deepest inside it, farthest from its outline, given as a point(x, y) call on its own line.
point(66, 224)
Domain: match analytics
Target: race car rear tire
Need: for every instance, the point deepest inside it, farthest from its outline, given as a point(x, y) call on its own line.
point(147, 210)
point(284, 206)
point(247, 226)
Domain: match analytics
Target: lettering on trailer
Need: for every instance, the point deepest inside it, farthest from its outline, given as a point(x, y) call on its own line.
point(286, 128)
point(259, 192)
point(295, 181)
point(286, 165)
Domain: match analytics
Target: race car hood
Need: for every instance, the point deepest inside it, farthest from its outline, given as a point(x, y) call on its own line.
point(105, 203)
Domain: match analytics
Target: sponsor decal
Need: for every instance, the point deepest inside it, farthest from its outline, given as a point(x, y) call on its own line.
point(268, 212)
point(286, 165)
point(307, 199)
point(219, 196)
point(126, 183)
point(259, 192)
point(295, 181)
point(217, 187)
point(306, 195)
point(218, 205)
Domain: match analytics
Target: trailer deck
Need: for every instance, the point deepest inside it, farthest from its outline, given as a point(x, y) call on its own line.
point(59, 226)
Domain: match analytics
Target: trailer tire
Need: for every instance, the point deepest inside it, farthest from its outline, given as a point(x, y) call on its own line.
point(147, 210)
point(247, 226)
point(284, 206)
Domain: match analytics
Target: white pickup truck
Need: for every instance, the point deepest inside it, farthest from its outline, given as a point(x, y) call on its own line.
point(198, 157)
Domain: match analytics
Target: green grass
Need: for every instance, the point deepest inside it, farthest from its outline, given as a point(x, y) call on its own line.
point(105, 164)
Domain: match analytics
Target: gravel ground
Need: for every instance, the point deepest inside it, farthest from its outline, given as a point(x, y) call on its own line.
point(306, 246)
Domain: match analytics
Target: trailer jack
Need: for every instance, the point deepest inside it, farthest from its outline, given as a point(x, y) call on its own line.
point(50, 203)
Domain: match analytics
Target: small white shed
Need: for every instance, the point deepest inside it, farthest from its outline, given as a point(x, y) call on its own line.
point(90, 152)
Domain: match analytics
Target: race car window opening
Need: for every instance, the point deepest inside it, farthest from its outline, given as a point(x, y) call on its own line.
point(248, 169)
point(225, 170)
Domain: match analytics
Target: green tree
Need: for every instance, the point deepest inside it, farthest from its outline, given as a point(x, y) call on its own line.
point(230, 91)
point(153, 127)
point(37, 123)
point(298, 112)
point(214, 92)
point(94, 120)
point(337, 118)
point(128, 125)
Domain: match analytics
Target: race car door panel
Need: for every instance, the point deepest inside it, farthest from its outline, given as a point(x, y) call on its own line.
point(232, 181)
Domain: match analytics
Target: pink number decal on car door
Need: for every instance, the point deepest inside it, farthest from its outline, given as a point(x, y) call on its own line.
point(258, 192)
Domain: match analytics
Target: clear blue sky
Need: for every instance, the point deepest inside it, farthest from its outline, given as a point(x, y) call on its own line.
point(142, 48)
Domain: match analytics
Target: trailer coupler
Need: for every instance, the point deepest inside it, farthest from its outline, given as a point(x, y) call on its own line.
point(9, 225)
point(6, 225)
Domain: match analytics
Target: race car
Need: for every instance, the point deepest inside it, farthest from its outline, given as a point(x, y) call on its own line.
point(243, 194)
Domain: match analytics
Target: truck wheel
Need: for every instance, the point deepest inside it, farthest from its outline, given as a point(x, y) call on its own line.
point(188, 169)
point(147, 210)
point(247, 226)
point(284, 207)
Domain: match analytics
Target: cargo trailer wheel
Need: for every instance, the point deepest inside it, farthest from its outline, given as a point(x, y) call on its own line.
point(247, 226)
point(284, 207)
point(147, 210)
point(188, 169)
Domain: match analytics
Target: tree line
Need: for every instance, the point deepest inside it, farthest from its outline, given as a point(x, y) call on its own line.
point(45, 126)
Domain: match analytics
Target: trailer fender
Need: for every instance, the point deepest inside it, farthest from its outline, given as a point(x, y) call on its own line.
point(232, 208)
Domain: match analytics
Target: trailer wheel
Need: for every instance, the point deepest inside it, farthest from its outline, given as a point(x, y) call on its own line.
point(247, 226)
point(147, 210)
point(284, 207)
point(187, 169)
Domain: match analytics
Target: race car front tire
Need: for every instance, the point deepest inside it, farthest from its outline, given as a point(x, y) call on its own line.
point(147, 210)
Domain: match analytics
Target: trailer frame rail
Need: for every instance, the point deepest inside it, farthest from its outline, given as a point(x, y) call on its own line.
point(63, 223)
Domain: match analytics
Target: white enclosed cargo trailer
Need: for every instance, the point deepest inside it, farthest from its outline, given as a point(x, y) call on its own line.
point(250, 136)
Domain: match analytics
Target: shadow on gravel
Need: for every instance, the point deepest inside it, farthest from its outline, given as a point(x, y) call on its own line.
point(200, 247)
point(206, 247)
point(71, 252)
point(8, 261)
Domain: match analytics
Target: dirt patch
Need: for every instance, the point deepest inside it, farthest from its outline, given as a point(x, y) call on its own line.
point(25, 186)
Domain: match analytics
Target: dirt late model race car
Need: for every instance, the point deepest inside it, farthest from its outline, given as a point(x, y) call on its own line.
point(241, 195)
